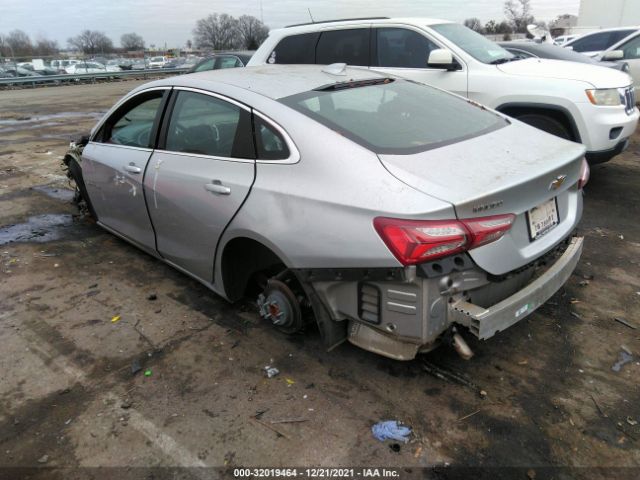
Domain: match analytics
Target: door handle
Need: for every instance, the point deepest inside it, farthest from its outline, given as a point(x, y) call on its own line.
point(131, 168)
point(217, 187)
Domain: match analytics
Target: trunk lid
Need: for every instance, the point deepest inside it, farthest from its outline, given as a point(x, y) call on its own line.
point(509, 170)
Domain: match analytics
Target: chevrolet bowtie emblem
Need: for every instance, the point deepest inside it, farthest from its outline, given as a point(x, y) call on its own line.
point(557, 182)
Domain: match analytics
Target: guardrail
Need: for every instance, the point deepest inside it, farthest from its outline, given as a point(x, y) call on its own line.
point(18, 81)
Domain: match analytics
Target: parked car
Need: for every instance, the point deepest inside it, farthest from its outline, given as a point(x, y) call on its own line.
point(595, 106)
point(562, 39)
point(443, 213)
point(222, 60)
point(91, 67)
point(18, 71)
point(41, 70)
point(156, 62)
point(627, 50)
point(594, 43)
point(174, 63)
point(122, 63)
point(525, 49)
point(6, 73)
point(139, 64)
point(61, 65)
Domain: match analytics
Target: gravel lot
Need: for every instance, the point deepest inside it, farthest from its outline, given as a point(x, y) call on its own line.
point(69, 399)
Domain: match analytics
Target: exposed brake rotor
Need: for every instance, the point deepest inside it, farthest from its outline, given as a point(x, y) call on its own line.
point(279, 304)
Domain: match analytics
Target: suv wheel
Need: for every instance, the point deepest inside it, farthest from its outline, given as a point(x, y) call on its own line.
point(548, 124)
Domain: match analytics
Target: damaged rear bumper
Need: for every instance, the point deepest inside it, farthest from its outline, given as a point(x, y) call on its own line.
point(399, 313)
point(486, 322)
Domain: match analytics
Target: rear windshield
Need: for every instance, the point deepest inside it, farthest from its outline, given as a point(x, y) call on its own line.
point(395, 116)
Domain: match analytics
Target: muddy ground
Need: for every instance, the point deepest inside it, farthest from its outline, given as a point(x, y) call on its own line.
point(69, 399)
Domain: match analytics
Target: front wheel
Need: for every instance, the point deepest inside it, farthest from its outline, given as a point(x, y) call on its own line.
point(547, 124)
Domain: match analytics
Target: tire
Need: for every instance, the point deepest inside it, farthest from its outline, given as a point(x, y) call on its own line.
point(547, 124)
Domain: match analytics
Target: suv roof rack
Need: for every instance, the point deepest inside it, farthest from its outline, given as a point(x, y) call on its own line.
point(337, 20)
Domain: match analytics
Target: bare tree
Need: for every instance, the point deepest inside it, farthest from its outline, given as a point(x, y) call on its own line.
point(474, 24)
point(91, 41)
point(218, 32)
point(252, 31)
point(19, 43)
point(45, 47)
point(518, 13)
point(4, 47)
point(189, 44)
point(131, 41)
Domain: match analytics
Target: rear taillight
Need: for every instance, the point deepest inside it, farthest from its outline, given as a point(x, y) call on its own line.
point(585, 172)
point(417, 241)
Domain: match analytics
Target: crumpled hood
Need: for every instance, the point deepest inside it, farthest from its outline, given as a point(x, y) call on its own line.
point(537, 67)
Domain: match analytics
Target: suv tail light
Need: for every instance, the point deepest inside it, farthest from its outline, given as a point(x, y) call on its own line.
point(417, 241)
point(585, 173)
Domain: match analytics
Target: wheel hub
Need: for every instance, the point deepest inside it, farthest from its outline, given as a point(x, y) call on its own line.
point(279, 305)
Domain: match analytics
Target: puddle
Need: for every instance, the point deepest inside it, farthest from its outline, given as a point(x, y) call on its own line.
point(53, 116)
point(39, 228)
point(30, 127)
point(9, 125)
point(63, 194)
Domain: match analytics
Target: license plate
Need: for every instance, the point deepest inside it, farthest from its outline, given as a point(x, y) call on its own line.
point(543, 218)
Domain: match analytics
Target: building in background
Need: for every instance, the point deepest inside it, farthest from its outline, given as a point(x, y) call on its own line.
point(596, 14)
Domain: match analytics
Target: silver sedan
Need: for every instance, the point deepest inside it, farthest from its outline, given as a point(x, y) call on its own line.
point(392, 214)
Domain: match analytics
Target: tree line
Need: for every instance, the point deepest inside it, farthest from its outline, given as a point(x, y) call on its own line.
point(215, 32)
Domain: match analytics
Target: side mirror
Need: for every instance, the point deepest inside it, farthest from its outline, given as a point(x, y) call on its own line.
point(442, 58)
point(613, 55)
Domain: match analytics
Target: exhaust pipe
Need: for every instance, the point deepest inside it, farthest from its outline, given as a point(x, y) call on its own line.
point(461, 346)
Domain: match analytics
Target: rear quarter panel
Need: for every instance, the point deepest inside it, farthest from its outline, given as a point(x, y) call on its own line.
point(319, 212)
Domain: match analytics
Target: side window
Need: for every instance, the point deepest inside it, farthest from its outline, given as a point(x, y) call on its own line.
point(631, 49)
point(591, 43)
point(227, 62)
point(206, 65)
point(344, 46)
point(399, 47)
point(269, 143)
point(207, 125)
point(618, 35)
point(131, 125)
point(295, 49)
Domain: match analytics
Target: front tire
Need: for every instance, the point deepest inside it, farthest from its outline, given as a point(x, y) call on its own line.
point(547, 124)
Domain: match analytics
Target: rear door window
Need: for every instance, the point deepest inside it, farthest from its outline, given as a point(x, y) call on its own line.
point(206, 125)
point(295, 49)
point(402, 48)
point(349, 46)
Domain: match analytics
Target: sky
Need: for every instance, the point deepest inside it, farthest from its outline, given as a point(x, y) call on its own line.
point(172, 21)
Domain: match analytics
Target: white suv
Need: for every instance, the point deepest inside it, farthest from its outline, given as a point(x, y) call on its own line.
point(588, 104)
